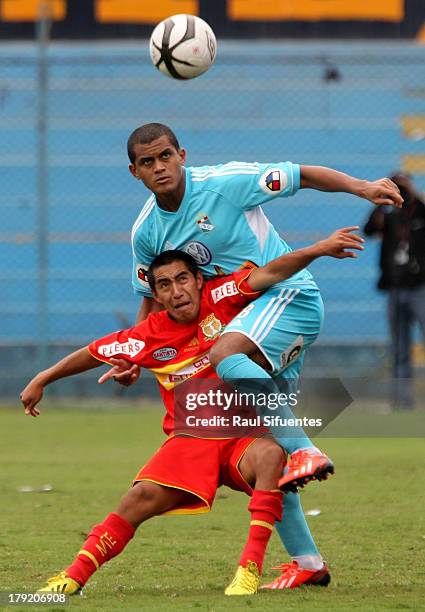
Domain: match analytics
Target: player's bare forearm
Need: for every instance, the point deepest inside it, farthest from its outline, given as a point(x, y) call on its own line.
point(76, 362)
point(380, 192)
point(281, 268)
point(340, 244)
point(327, 179)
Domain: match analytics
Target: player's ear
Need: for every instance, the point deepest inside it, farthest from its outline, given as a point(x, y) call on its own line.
point(132, 169)
point(156, 298)
point(182, 156)
point(199, 279)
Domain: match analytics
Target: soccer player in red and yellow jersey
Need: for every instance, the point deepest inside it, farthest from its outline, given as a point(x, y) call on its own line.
point(195, 313)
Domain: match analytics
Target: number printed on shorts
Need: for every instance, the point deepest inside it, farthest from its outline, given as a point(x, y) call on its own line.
point(245, 312)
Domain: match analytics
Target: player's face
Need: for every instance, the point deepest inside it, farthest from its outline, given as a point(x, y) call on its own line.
point(160, 166)
point(179, 291)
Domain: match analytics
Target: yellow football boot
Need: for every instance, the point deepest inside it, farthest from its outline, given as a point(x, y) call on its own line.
point(246, 580)
point(61, 584)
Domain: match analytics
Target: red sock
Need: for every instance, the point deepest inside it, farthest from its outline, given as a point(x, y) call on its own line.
point(104, 542)
point(265, 508)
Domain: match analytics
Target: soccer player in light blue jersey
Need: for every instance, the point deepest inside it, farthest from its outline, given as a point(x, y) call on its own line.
point(215, 214)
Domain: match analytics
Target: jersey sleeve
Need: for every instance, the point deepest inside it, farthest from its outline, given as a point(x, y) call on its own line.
point(129, 344)
point(241, 278)
point(246, 186)
point(140, 277)
point(143, 256)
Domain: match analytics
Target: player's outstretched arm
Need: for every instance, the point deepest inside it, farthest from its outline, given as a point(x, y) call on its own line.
point(380, 192)
point(77, 362)
point(340, 244)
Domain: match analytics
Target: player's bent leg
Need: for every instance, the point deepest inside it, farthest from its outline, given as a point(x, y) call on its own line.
point(147, 499)
point(109, 538)
point(298, 325)
point(261, 464)
point(229, 344)
point(282, 324)
point(308, 462)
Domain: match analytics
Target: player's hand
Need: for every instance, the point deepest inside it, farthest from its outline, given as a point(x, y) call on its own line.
point(30, 397)
point(123, 372)
point(383, 192)
point(339, 241)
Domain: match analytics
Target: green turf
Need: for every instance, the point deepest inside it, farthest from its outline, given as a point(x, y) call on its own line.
point(371, 527)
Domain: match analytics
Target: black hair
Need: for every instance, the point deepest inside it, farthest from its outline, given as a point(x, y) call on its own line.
point(167, 257)
point(145, 134)
point(400, 176)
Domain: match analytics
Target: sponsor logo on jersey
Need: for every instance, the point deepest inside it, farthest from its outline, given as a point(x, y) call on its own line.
point(192, 344)
point(292, 352)
point(170, 380)
point(223, 291)
point(200, 253)
point(132, 348)
point(165, 353)
point(211, 326)
point(273, 180)
point(142, 275)
point(204, 223)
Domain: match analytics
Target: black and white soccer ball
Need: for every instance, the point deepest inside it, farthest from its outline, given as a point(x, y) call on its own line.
point(183, 46)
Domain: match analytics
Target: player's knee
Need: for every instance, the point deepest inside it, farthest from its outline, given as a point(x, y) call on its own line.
point(220, 351)
point(271, 458)
point(143, 493)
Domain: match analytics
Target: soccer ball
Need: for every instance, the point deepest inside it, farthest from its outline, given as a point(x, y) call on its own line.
point(183, 46)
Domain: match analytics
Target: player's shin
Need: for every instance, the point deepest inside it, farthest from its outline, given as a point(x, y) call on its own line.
point(266, 509)
point(295, 533)
point(104, 542)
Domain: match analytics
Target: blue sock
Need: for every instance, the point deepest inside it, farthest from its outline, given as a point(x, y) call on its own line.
point(234, 369)
point(293, 529)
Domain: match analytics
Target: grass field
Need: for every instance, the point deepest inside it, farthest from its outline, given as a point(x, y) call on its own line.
point(371, 528)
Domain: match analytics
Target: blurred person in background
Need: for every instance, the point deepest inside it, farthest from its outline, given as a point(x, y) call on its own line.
point(402, 264)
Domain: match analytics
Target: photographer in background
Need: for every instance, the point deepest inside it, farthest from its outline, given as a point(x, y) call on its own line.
point(402, 263)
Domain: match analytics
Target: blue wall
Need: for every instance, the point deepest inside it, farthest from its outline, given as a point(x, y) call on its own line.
point(264, 102)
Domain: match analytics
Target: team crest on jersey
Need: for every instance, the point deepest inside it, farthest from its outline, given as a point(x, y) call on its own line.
point(211, 326)
point(200, 253)
point(204, 223)
point(142, 275)
point(273, 180)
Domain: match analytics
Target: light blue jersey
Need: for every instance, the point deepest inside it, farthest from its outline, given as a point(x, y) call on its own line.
point(220, 221)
